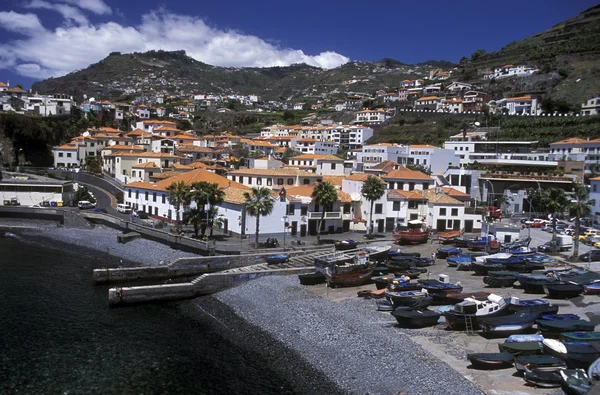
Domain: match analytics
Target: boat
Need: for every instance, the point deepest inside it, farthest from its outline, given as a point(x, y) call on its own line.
point(445, 252)
point(560, 317)
point(507, 324)
point(534, 283)
point(454, 298)
point(521, 348)
point(500, 280)
point(539, 306)
point(411, 236)
point(478, 244)
point(423, 262)
point(534, 361)
point(381, 271)
point(491, 360)
point(541, 258)
point(580, 355)
point(594, 370)
point(461, 242)
point(342, 269)
point(408, 298)
point(575, 381)
point(504, 261)
point(546, 377)
point(277, 259)
point(557, 327)
point(313, 278)
point(415, 318)
point(396, 252)
point(588, 278)
point(472, 309)
point(438, 287)
point(482, 269)
point(525, 267)
point(384, 305)
point(448, 237)
point(563, 291)
point(581, 336)
point(517, 243)
point(592, 289)
point(411, 273)
point(377, 253)
point(343, 245)
point(454, 260)
point(484, 257)
point(464, 266)
point(395, 283)
point(524, 338)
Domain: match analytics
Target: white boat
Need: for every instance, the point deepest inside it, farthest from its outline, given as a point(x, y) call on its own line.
point(500, 255)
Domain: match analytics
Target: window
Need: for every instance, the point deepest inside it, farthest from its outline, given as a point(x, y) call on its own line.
point(378, 208)
point(154, 197)
point(137, 194)
point(164, 198)
point(425, 186)
point(129, 193)
point(241, 179)
point(594, 188)
point(249, 180)
point(396, 206)
point(124, 172)
point(139, 161)
point(133, 173)
point(258, 180)
point(291, 209)
point(413, 204)
point(60, 154)
point(146, 193)
point(411, 186)
point(303, 210)
point(232, 178)
point(68, 154)
point(333, 166)
point(306, 181)
point(347, 208)
point(269, 181)
point(290, 181)
point(454, 212)
point(442, 212)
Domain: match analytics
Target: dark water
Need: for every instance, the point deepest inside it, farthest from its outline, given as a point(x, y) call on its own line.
point(58, 335)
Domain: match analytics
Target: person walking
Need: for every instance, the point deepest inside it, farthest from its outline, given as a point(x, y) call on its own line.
point(433, 257)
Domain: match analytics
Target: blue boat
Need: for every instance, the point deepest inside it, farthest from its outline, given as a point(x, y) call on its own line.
point(512, 259)
point(593, 288)
point(443, 253)
point(276, 259)
point(478, 244)
point(454, 261)
point(343, 245)
point(524, 338)
point(440, 287)
point(559, 317)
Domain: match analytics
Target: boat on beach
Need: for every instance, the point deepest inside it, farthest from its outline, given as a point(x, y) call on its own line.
point(313, 278)
point(415, 234)
point(348, 244)
point(507, 324)
point(472, 309)
point(581, 336)
point(575, 381)
point(409, 298)
point(534, 283)
point(491, 361)
point(445, 252)
point(534, 361)
point(543, 376)
point(563, 291)
point(415, 317)
point(276, 259)
point(342, 269)
point(377, 253)
point(559, 326)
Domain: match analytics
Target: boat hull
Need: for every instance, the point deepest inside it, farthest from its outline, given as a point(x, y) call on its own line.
point(411, 237)
point(415, 318)
point(349, 279)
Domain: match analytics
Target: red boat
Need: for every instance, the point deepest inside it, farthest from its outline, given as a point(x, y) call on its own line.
point(411, 236)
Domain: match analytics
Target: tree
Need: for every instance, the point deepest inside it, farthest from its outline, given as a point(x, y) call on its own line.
point(94, 164)
point(258, 204)
point(184, 124)
point(554, 201)
point(477, 54)
point(372, 189)
point(82, 193)
point(288, 153)
point(579, 207)
point(178, 194)
point(215, 196)
point(325, 195)
point(193, 217)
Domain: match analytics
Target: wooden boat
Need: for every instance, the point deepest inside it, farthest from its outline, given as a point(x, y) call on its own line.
point(563, 291)
point(592, 289)
point(411, 236)
point(489, 361)
point(557, 327)
point(276, 259)
point(313, 278)
point(582, 336)
point(575, 381)
point(461, 242)
point(415, 318)
point(454, 298)
point(546, 377)
point(342, 269)
point(534, 361)
point(377, 253)
point(396, 283)
point(474, 309)
point(507, 324)
point(449, 237)
point(343, 245)
point(444, 253)
point(534, 283)
point(521, 348)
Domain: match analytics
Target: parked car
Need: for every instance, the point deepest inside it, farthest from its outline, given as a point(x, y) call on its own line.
point(100, 210)
point(586, 257)
point(583, 236)
point(140, 214)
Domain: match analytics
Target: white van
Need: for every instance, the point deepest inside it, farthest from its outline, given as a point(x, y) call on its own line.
point(84, 205)
point(124, 208)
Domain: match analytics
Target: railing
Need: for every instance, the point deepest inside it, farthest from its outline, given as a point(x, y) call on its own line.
point(328, 215)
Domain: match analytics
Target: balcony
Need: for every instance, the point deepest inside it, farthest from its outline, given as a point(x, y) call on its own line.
point(328, 215)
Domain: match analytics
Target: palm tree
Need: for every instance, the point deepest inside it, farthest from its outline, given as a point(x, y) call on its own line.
point(216, 196)
point(372, 189)
point(580, 207)
point(259, 203)
point(554, 201)
point(207, 194)
point(178, 195)
point(194, 217)
point(325, 195)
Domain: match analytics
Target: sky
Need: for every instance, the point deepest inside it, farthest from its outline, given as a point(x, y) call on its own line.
point(50, 38)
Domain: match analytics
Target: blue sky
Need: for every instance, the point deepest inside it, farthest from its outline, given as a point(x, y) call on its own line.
point(43, 38)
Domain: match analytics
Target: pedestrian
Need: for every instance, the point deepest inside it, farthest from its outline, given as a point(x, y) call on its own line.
point(433, 257)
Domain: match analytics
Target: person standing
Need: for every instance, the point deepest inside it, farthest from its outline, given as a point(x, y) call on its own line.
point(433, 257)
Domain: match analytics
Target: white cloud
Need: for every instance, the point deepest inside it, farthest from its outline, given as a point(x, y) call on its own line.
point(68, 12)
point(80, 46)
point(96, 6)
point(27, 24)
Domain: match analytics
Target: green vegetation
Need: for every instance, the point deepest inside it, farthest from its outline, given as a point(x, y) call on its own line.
point(258, 204)
point(580, 207)
point(83, 194)
point(372, 189)
point(325, 195)
point(178, 192)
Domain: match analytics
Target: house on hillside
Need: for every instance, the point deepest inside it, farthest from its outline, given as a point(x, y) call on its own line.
point(591, 107)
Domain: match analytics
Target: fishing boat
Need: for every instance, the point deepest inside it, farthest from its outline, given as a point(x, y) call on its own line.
point(384, 305)
point(416, 235)
point(577, 355)
point(415, 318)
point(454, 260)
point(422, 262)
point(408, 298)
point(449, 237)
point(377, 253)
point(501, 278)
point(557, 327)
point(534, 283)
point(492, 360)
point(438, 287)
point(397, 283)
point(594, 370)
point(381, 271)
point(521, 348)
point(454, 298)
point(343, 245)
point(342, 269)
point(482, 269)
point(539, 306)
point(276, 259)
point(575, 381)
point(535, 361)
point(587, 278)
point(507, 324)
point(411, 273)
point(559, 317)
point(473, 309)
point(592, 289)
point(313, 278)
point(446, 252)
point(524, 338)
point(582, 336)
point(546, 377)
point(563, 291)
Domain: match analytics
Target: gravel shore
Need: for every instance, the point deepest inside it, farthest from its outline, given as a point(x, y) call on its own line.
point(101, 242)
point(358, 348)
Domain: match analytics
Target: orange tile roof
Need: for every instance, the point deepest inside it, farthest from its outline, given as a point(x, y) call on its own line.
point(137, 132)
point(69, 147)
point(179, 166)
point(520, 98)
point(407, 174)
point(440, 198)
point(144, 155)
point(329, 157)
point(422, 146)
point(402, 194)
point(572, 140)
point(189, 178)
point(2, 84)
point(147, 165)
point(284, 171)
point(335, 180)
point(361, 177)
point(307, 190)
point(455, 192)
point(428, 98)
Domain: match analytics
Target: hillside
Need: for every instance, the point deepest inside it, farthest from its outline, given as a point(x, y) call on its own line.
point(570, 48)
point(153, 72)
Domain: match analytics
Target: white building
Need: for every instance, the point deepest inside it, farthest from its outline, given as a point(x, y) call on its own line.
point(314, 146)
point(325, 165)
point(591, 107)
point(435, 158)
point(273, 178)
point(373, 154)
point(372, 116)
point(30, 189)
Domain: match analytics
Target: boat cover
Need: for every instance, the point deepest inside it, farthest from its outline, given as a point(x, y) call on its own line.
point(559, 317)
point(524, 338)
point(565, 325)
point(521, 348)
point(590, 337)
